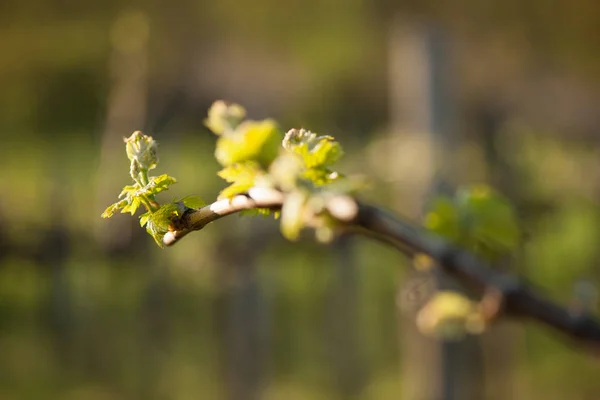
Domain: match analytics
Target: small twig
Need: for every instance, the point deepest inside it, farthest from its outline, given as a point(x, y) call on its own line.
point(518, 298)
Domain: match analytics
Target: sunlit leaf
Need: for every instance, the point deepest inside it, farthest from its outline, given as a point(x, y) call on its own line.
point(320, 176)
point(129, 190)
point(253, 140)
point(161, 182)
point(240, 171)
point(132, 206)
point(316, 151)
point(192, 201)
point(241, 175)
point(144, 218)
point(113, 208)
point(325, 152)
point(158, 223)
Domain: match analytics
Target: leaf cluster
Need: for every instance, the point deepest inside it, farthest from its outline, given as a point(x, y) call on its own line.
point(299, 163)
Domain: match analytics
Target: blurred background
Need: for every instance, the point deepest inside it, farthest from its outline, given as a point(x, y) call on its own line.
point(424, 95)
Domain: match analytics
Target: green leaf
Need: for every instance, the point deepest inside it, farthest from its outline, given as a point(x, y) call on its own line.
point(132, 207)
point(129, 190)
point(158, 184)
point(144, 218)
point(242, 177)
point(161, 182)
point(113, 208)
point(326, 151)
point(192, 201)
point(234, 189)
point(158, 223)
point(240, 171)
point(253, 140)
point(443, 218)
point(321, 176)
point(489, 218)
point(477, 218)
point(317, 151)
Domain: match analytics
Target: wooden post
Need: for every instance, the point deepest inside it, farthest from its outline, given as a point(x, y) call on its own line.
point(422, 109)
point(488, 119)
point(343, 322)
point(242, 313)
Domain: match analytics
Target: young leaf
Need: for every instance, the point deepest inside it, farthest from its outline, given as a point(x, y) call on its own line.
point(159, 183)
point(158, 223)
point(325, 151)
point(129, 190)
point(191, 202)
point(144, 218)
point(242, 177)
point(317, 151)
point(132, 206)
point(113, 208)
point(252, 140)
point(320, 176)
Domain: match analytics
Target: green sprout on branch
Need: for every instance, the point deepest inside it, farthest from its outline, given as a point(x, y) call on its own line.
point(299, 163)
point(142, 153)
point(253, 154)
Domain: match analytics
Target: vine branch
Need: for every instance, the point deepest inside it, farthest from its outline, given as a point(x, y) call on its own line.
point(518, 298)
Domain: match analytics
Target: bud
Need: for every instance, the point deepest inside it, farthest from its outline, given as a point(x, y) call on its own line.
point(295, 137)
point(224, 117)
point(450, 316)
point(141, 149)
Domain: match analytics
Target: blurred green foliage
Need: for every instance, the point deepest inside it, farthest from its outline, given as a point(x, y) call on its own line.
point(478, 219)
